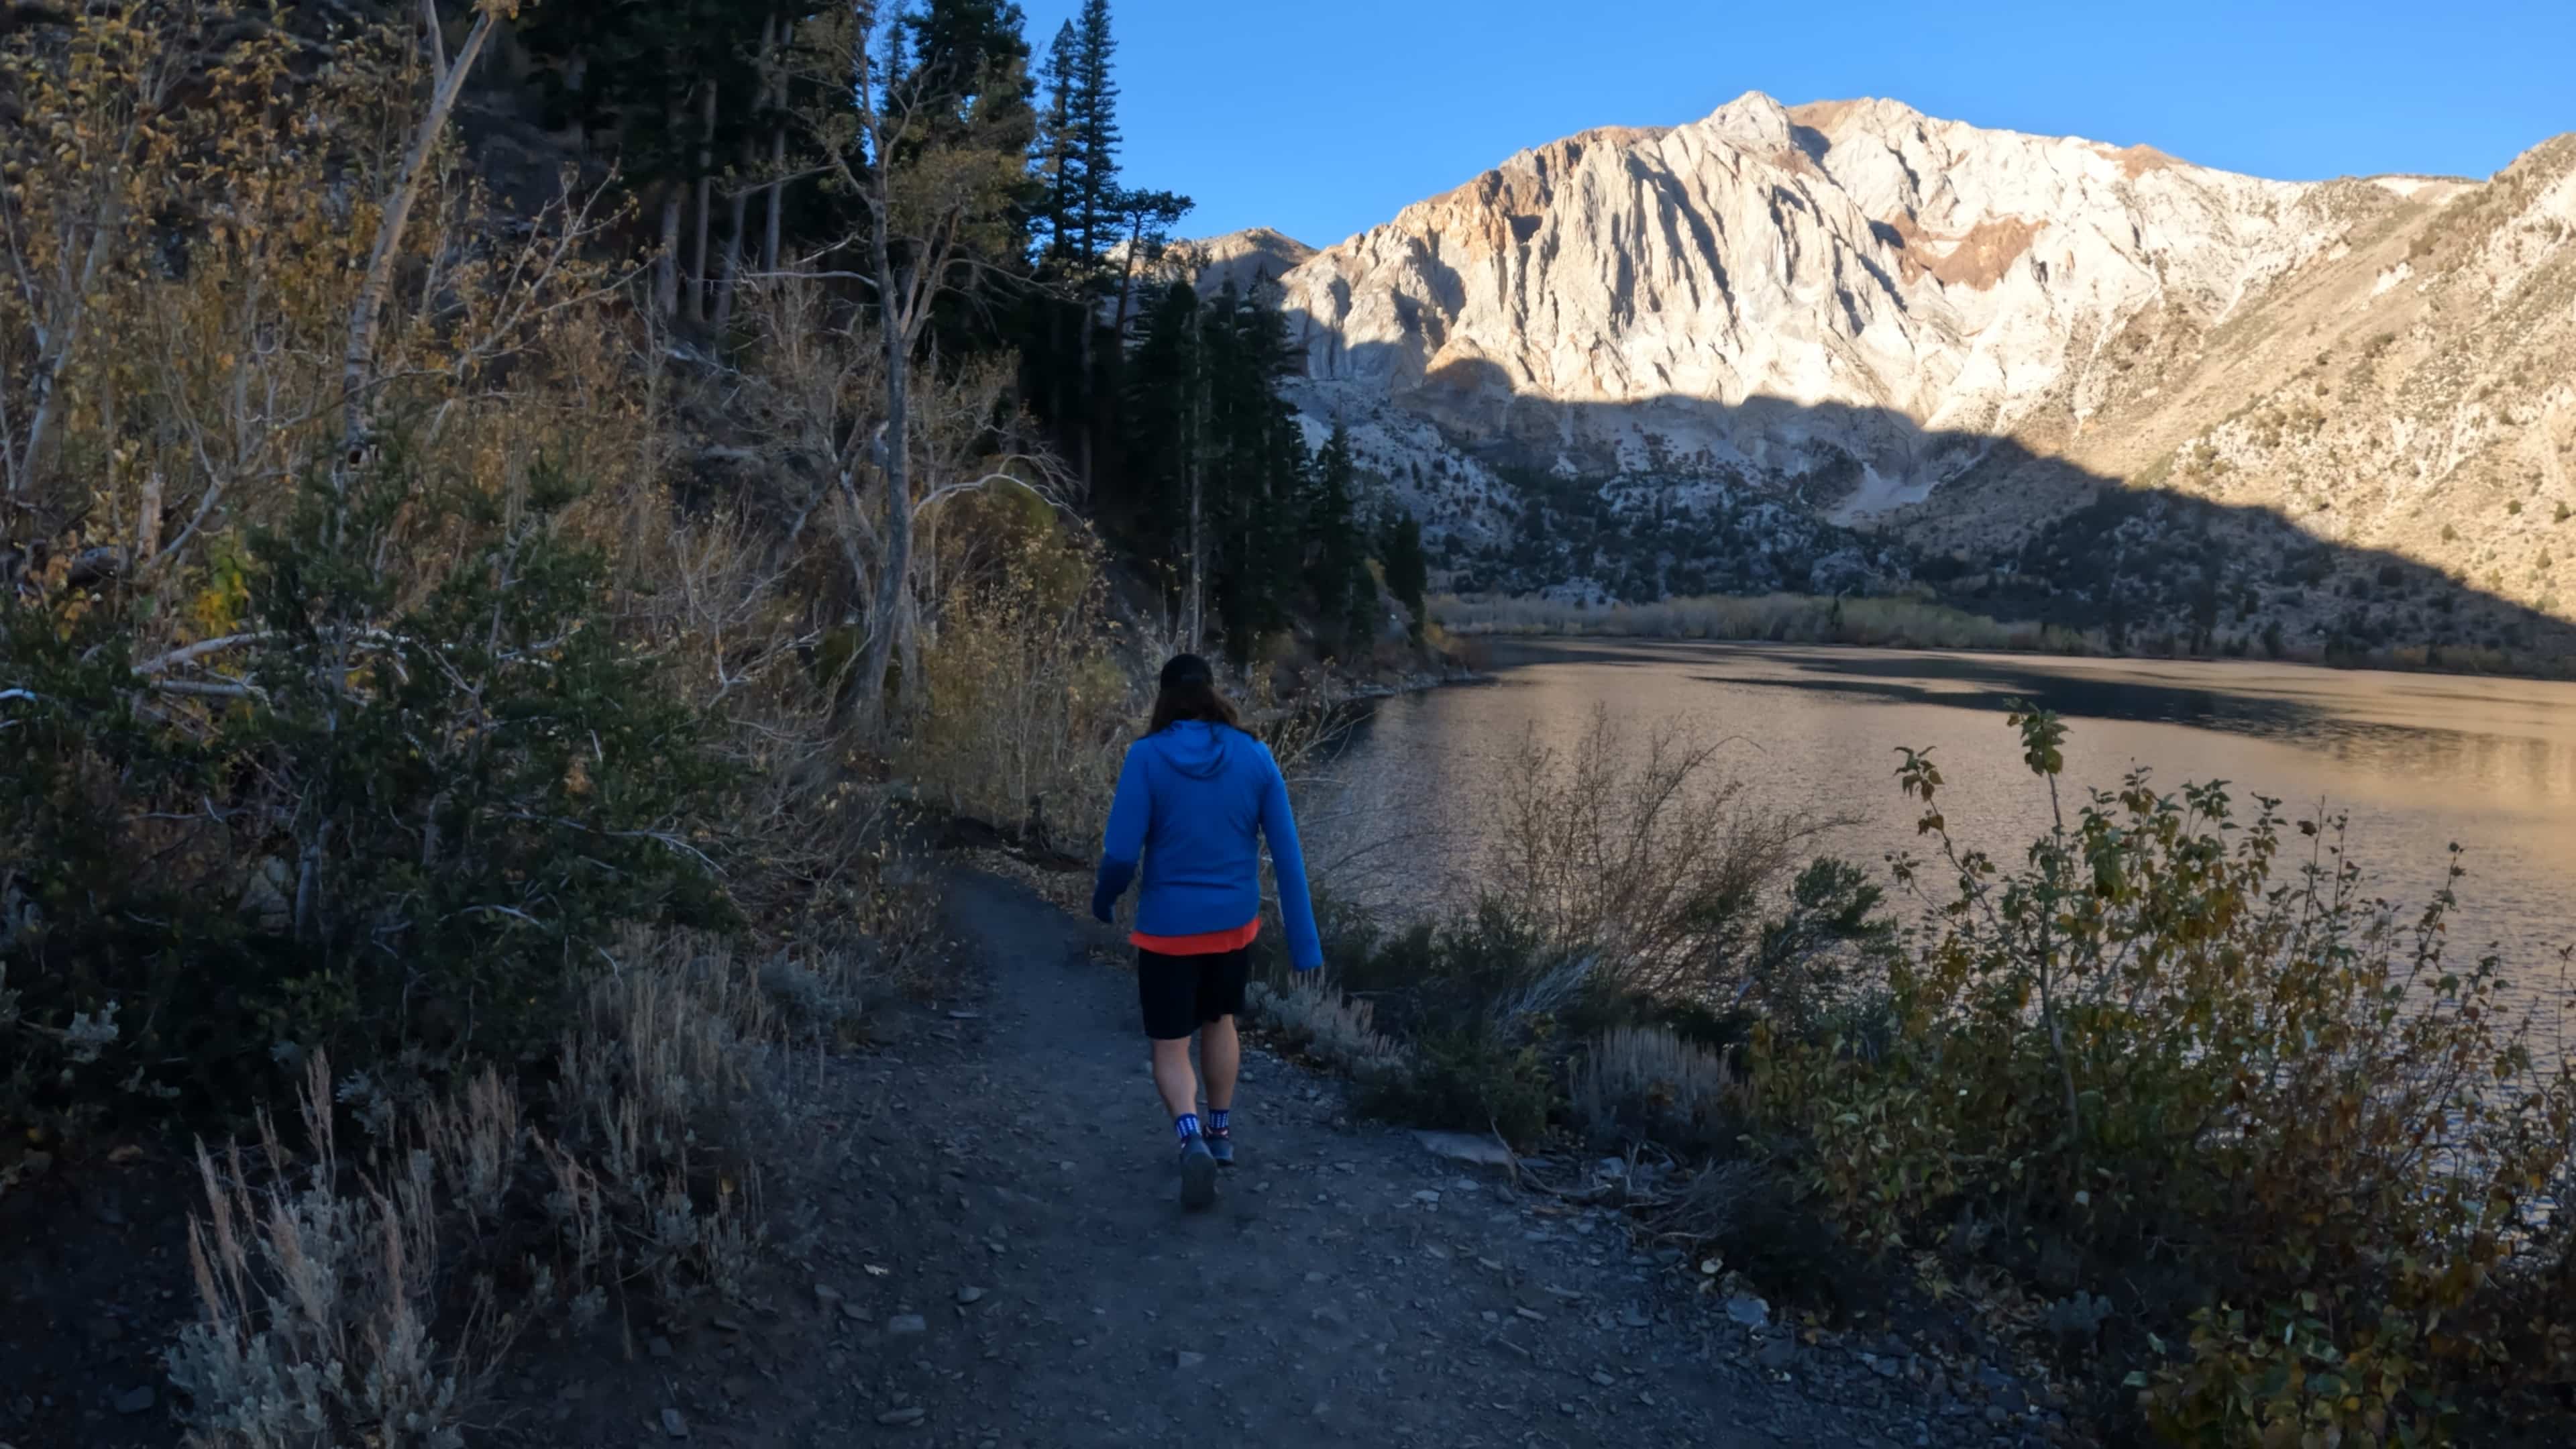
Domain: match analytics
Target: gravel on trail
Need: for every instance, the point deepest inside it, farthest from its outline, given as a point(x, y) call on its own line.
point(989, 1252)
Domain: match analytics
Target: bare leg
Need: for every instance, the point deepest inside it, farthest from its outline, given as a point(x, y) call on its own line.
point(1173, 1078)
point(1220, 1056)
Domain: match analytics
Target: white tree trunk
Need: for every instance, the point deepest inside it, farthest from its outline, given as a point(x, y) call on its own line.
point(698, 277)
point(773, 38)
point(666, 271)
point(777, 163)
point(738, 216)
point(357, 366)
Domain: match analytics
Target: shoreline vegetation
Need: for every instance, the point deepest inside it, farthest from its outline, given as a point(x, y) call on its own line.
point(2172, 1103)
point(1913, 622)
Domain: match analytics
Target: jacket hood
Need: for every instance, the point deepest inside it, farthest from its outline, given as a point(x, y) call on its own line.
point(1195, 747)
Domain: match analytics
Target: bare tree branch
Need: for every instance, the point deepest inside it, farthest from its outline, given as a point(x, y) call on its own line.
point(210, 691)
point(389, 230)
point(194, 652)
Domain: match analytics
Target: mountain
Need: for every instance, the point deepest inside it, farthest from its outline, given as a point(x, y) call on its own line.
point(1245, 258)
point(2056, 375)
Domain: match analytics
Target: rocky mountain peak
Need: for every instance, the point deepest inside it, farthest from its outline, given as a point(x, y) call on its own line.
point(1752, 121)
point(1899, 321)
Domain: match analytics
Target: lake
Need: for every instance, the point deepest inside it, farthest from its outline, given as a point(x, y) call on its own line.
point(2417, 761)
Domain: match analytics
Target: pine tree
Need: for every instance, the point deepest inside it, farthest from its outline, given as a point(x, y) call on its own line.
point(968, 63)
point(1073, 373)
point(1092, 123)
point(671, 84)
point(1257, 481)
point(1056, 159)
point(1407, 571)
point(1345, 594)
point(965, 76)
point(1145, 223)
point(1148, 511)
point(1221, 500)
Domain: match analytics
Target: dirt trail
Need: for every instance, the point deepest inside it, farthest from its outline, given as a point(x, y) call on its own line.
point(1348, 1288)
point(982, 1247)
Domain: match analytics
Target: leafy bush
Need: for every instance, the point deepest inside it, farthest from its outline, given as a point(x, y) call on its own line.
point(2167, 1039)
point(1744, 1216)
point(1487, 969)
point(361, 818)
point(2289, 1380)
point(1472, 1081)
point(1025, 707)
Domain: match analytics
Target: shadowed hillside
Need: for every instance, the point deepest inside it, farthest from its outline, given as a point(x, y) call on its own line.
point(2152, 566)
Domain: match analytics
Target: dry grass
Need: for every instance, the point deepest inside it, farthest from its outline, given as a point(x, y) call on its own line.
point(1641, 853)
point(319, 1300)
point(1646, 1078)
point(1312, 1015)
point(358, 1300)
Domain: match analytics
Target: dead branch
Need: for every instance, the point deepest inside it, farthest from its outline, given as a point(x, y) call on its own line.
point(199, 650)
point(450, 79)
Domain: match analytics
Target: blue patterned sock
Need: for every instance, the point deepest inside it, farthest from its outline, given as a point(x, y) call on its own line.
point(1187, 1126)
point(1216, 1120)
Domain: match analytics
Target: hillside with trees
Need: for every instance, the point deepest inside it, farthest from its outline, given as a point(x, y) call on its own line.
point(503, 506)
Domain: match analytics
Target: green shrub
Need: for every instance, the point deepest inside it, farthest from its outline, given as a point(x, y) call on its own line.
point(2294, 1379)
point(1472, 1081)
point(2177, 1035)
point(357, 820)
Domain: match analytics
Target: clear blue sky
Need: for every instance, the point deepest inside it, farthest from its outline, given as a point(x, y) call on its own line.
point(1323, 117)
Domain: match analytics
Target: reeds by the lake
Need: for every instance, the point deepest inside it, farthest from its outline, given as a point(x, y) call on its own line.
point(1889, 623)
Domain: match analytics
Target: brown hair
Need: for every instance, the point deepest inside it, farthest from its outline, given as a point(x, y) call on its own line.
point(1188, 691)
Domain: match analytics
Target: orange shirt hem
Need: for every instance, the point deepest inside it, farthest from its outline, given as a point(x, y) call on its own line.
point(1205, 943)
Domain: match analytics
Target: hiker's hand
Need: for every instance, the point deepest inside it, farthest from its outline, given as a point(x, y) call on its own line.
point(1107, 887)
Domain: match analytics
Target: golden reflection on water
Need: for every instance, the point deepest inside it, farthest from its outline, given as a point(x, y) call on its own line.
point(2416, 761)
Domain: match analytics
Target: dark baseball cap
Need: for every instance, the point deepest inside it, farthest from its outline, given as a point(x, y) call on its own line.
point(1187, 669)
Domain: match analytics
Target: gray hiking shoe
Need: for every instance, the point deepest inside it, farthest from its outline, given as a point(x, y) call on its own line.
point(1221, 1146)
point(1198, 1173)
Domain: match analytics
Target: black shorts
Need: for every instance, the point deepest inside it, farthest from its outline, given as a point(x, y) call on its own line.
point(1182, 993)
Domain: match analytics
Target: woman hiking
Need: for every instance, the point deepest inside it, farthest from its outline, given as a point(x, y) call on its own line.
point(1194, 798)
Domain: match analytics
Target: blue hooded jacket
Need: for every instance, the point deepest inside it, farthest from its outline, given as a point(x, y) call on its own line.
point(1190, 799)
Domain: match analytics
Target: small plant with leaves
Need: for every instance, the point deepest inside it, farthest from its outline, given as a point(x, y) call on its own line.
point(2167, 1034)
